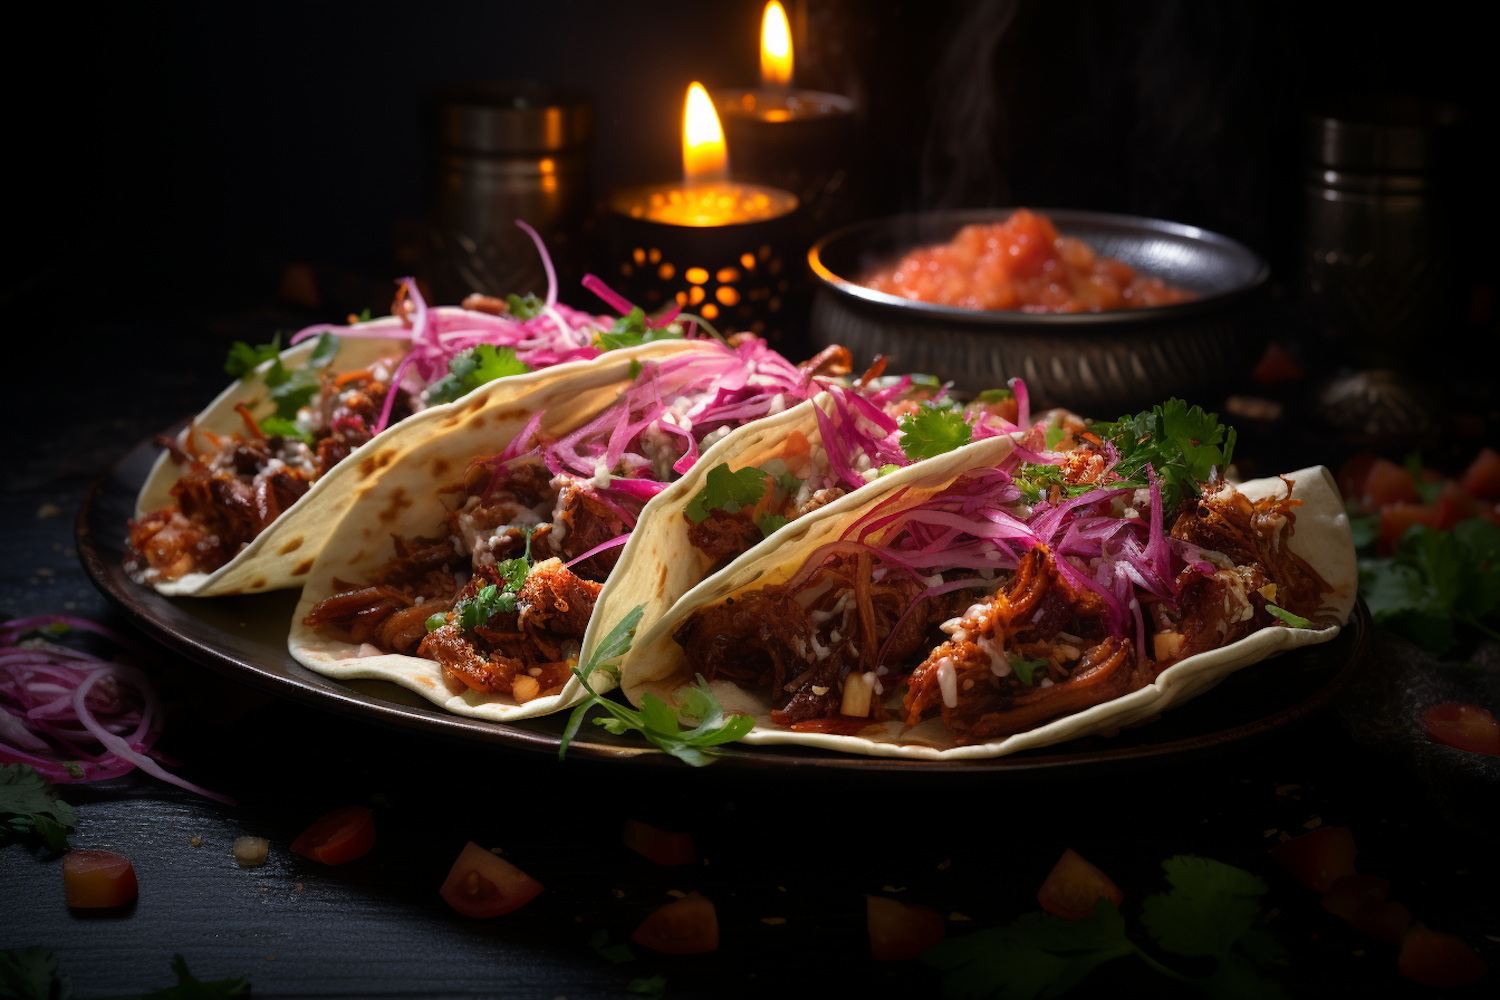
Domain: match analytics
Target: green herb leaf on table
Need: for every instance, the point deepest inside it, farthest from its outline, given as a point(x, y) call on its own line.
point(725, 490)
point(471, 369)
point(656, 721)
point(616, 953)
point(1295, 621)
point(1436, 581)
point(29, 805)
point(1365, 529)
point(930, 431)
point(189, 988)
point(652, 986)
point(1212, 912)
point(32, 974)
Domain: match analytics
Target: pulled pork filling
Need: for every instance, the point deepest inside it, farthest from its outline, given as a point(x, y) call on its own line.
point(861, 639)
point(525, 647)
point(234, 487)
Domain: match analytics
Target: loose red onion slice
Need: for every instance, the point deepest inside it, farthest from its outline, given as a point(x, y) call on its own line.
point(73, 716)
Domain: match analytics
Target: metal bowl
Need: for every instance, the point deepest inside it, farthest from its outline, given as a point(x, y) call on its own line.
point(1100, 363)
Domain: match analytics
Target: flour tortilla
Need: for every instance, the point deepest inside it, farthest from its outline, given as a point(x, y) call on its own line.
point(283, 554)
point(406, 500)
point(657, 665)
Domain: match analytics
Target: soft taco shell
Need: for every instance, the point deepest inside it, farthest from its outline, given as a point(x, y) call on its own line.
point(282, 556)
point(405, 500)
point(656, 664)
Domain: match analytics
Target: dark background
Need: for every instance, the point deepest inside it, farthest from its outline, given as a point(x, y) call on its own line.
point(159, 157)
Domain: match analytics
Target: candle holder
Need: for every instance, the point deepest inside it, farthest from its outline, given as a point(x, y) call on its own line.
point(727, 252)
point(797, 140)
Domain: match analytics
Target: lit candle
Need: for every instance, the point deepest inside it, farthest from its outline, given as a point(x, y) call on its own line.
point(706, 197)
point(775, 48)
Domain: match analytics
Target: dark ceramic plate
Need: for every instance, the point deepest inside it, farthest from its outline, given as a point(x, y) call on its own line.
point(1097, 363)
point(245, 637)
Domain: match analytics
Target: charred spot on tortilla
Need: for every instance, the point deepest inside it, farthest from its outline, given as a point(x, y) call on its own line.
point(450, 421)
point(385, 458)
point(257, 583)
point(473, 405)
point(440, 466)
point(291, 546)
point(367, 468)
point(661, 585)
point(303, 568)
point(399, 501)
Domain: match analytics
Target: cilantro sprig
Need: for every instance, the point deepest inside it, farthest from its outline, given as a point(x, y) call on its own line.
point(290, 388)
point(1295, 621)
point(1183, 445)
point(1025, 669)
point(468, 370)
point(524, 306)
point(29, 806)
point(1436, 582)
point(631, 329)
point(492, 599)
point(728, 491)
point(190, 988)
point(655, 720)
point(244, 358)
point(1211, 916)
point(931, 430)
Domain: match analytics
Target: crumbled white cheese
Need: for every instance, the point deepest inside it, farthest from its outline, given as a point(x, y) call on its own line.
point(948, 682)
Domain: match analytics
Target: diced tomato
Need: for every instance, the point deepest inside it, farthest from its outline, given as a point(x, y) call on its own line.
point(1397, 519)
point(688, 926)
point(1454, 505)
point(1360, 900)
point(1074, 886)
point(1467, 727)
point(661, 846)
point(482, 885)
point(899, 932)
point(1276, 365)
point(342, 835)
point(1433, 958)
point(1482, 478)
point(1319, 858)
point(98, 879)
point(1353, 473)
point(1387, 482)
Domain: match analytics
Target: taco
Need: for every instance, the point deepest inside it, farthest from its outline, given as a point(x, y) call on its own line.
point(470, 571)
point(1064, 580)
point(243, 495)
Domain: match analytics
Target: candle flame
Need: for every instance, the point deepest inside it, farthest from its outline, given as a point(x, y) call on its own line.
point(704, 158)
point(775, 47)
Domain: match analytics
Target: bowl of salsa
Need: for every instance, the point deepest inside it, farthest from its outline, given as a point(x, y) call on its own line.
point(1096, 309)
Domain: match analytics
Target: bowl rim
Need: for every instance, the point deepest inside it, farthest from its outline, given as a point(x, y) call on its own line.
point(914, 310)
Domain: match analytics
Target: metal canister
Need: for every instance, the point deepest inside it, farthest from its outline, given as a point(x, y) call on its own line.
point(1377, 244)
point(501, 152)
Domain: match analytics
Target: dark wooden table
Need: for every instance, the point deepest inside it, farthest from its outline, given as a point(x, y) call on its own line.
point(787, 859)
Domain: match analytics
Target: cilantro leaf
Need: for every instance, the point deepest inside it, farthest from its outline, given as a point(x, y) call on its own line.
point(1024, 669)
point(29, 805)
point(616, 953)
point(655, 720)
point(1054, 435)
point(635, 369)
point(1182, 445)
point(1436, 581)
point(244, 359)
point(1211, 906)
point(524, 306)
point(284, 427)
point(1036, 956)
point(1295, 621)
point(769, 524)
point(1366, 530)
point(291, 389)
point(492, 599)
point(725, 490)
point(931, 431)
point(32, 974)
point(994, 395)
point(324, 351)
point(189, 988)
point(886, 470)
point(468, 370)
point(632, 329)
point(654, 986)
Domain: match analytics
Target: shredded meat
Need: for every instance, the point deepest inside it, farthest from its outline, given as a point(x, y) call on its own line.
point(586, 522)
point(722, 536)
point(356, 615)
point(556, 600)
point(821, 498)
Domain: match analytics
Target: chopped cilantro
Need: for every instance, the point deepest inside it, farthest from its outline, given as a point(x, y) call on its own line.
point(1025, 669)
point(491, 599)
point(789, 482)
point(631, 329)
point(887, 469)
point(725, 490)
point(524, 307)
point(188, 988)
point(635, 369)
point(471, 369)
point(651, 986)
point(994, 396)
point(244, 359)
point(1295, 621)
point(1054, 435)
point(770, 523)
point(364, 315)
point(283, 427)
point(932, 431)
point(291, 389)
point(1211, 915)
point(32, 974)
point(1436, 581)
point(615, 953)
point(29, 805)
point(1183, 445)
point(657, 721)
